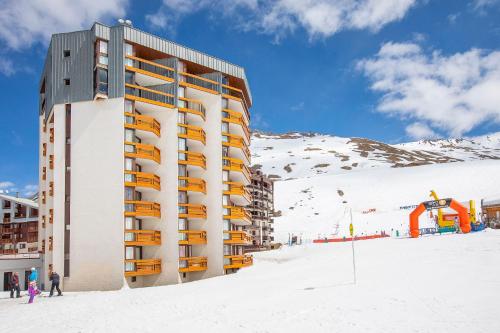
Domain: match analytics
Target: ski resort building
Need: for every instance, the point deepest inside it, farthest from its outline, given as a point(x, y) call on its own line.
point(262, 210)
point(18, 225)
point(143, 161)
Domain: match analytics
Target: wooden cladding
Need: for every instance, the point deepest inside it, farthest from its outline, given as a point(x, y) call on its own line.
point(140, 150)
point(192, 185)
point(51, 162)
point(142, 179)
point(51, 243)
point(141, 122)
point(142, 237)
point(51, 189)
point(193, 264)
point(44, 197)
point(237, 213)
point(237, 141)
point(142, 267)
point(194, 211)
point(142, 209)
point(51, 135)
point(238, 261)
point(237, 238)
point(44, 149)
point(51, 216)
point(192, 133)
point(234, 188)
point(235, 164)
point(192, 237)
point(44, 173)
point(192, 158)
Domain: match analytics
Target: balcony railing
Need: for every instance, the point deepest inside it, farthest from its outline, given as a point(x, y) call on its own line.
point(192, 158)
point(198, 82)
point(237, 238)
point(147, 95)
point(192, 264)
point(192, 237)
point(238, 261)
point(237, 141)
point(234, 188)
point(237, 95)
point(191, 106)
point(234, 117)
point(192, 185)
point(191, 132)
point(141, 122)
point(142, 179)
point(142, 209)
point(150, 68)
point(194, 211)
point(142, 237)
point(140, 150)
point(235, 164)
point(139, 267)
point(237, 213)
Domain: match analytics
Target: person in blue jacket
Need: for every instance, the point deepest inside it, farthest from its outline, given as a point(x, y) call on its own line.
point(32, 289)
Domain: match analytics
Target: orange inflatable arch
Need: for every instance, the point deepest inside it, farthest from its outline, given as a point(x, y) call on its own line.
point(463, 216)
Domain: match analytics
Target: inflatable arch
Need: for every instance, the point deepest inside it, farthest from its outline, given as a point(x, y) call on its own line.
point(463, 214)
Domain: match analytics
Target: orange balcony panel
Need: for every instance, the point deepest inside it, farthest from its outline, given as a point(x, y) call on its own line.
point(192, 185)
point(237, 141)
point(141, 267)
point(237, 95)
point(237, 238)
point(193, 264)
point(143, 123)
point(193, 211)
point(192, 237)
point(192, 106)
point(192, 158)
point(237, 213)
point(192, 133)
point(234, 188)
point(142, 237)
point(237, 118)
point(147, 95)
point(235, 164)
point(142, 179)
point(198, 82)
point(140, 150)
point(150, 68)
point(238, 261)
point(142, 209)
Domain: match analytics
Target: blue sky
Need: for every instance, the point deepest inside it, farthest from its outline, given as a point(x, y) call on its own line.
point(391, 70)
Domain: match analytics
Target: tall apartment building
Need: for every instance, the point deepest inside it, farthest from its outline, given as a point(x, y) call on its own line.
point(18, 225)
point(143, 161)
point(262, 210)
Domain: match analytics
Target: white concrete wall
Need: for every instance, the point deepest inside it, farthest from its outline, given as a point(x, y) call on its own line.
point(20, 266)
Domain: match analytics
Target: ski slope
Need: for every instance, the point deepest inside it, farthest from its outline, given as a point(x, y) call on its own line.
point(432, 284)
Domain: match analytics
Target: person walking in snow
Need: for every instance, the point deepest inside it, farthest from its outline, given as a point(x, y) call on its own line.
point(32, 289)
point(14, 285)
point(54, 278)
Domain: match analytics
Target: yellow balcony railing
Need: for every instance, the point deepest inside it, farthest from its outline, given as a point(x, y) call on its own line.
point(140, 150)
point(142, 208)
point(191, 132)
point(237, 238)
point(198, 82)
point(192, 237)
point(192, 264)
point(234, 188)
point(141, 122)
point(148, 95)
point(150, 68)
point(237, 213)
point(237, 141)
point(139, 267)
point(237, 95)
point(192, 158)
point(238, 261)
point(192, 106)
point(142, 237)
point(235, 164)
point(234, 117)
point(192, 184)
point(194, 211)
point(142, 179)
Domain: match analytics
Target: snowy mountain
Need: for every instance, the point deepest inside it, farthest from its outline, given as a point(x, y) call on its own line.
point(321, 178)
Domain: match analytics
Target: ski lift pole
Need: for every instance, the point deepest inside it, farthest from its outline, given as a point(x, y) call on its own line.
point(351, 231)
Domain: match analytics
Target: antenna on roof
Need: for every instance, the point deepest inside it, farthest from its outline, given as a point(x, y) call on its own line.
point(121, 21)
point(128, 22)
point(125, 22)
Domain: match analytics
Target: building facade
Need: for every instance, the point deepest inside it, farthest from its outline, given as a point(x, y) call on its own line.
point(262, 210)
point(18, 225)
point(143, 161)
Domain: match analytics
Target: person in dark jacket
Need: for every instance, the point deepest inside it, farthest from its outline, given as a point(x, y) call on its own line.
point(54, 277)
point(14, 285)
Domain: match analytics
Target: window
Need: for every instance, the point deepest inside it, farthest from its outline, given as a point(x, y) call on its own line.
point(67, 82)
point(101, 81)
point(66, 53)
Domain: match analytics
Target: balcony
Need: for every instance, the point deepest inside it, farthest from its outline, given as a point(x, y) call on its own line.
point(236, 141)
point(236, 95)
point(142, 209)
point(237, 238)
point(142, 123)
point(198, 82)
point(143, 151)
point(190, 184)
point(236, 118)
point(191, 107)
point(238, 193)
point(149, 96)
point(191, 132)
point(237, 168)
point(238, 215)
point(142, 237)
point(192, 264)
point(192, 158)
point(192, 237)
point(149, 72)
point(192, 211)
point(142, 179)
point(141, 267)
point(238, 261)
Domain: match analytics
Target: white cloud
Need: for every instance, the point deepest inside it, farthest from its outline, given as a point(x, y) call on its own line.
point(319, 18)
point(453, 94)
point(30, 190)
point(420, 131)
point(25, 22)
point(7, 68)
point(482, 4)
point(6, 184)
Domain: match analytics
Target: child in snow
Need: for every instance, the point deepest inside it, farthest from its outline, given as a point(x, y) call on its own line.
point(32, 289)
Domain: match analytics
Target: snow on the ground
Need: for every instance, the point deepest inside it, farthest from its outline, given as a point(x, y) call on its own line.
point(319, 206)
point(431, 284)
